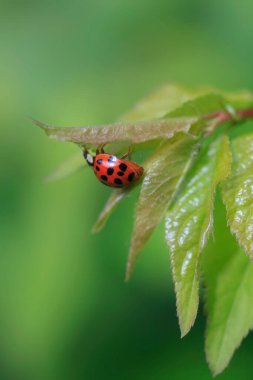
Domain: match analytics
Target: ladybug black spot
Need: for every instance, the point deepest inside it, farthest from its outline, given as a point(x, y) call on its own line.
point(110, 171)
point(97, 168)
point(123, 167)
point(103, 177)
point(120, 174)
point(131, 177)
point(99, 161)
point(118, 181)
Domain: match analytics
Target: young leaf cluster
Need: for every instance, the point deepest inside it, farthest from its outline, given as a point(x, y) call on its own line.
point(191, 152)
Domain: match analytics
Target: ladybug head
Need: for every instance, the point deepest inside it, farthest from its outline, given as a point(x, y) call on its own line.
point(88, 157)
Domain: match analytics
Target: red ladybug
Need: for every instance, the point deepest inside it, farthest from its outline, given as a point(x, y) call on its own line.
point(113, 171)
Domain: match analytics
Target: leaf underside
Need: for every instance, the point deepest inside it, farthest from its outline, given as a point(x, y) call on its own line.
point(132, 132)
point(188, 225)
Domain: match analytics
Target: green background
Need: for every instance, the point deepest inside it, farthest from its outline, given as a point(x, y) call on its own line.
point(65, 311)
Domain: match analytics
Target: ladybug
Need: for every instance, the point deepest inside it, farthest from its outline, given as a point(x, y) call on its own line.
point(113, 171)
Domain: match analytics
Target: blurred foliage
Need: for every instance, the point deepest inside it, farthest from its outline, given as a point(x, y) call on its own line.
point(65, 310)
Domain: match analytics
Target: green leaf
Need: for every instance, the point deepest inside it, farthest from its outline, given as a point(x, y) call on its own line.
point(188, 225)
point(229, 306)
point(238, 194)
point(162, 178)
point(66, 168)
point(133, 132)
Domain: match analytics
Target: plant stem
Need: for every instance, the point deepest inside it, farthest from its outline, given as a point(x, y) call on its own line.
point(220, 117)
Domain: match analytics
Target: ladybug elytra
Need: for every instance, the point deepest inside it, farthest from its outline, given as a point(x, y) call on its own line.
point(113, 171)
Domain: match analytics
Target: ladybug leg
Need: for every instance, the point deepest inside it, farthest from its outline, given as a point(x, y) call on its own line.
point(100, 148)
point(128, 154)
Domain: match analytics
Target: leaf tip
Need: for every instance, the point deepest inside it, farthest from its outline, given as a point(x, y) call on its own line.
point(130, 265)
point(100, 223)
point(38, 123)
point(184, 329)
point(96, 228)
point(215, 369)
point(129, 271)
point(186, 317)
point(48, 179)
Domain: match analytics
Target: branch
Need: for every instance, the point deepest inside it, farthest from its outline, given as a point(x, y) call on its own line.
point(220, 117)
